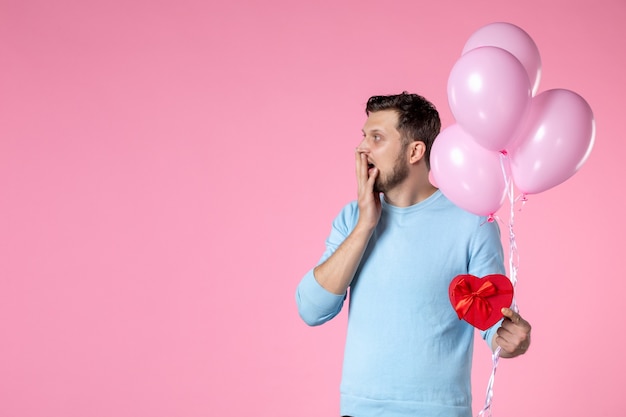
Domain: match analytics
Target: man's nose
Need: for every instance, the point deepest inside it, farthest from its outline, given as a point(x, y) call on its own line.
point(363, 146)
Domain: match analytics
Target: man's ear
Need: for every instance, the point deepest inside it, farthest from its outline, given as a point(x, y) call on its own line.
point(417, 151)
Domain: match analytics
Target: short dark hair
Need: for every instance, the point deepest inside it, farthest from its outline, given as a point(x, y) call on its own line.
point(418, 119)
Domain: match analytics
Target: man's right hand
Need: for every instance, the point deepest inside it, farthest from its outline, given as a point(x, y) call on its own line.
point(336, 273)
point(368, 200)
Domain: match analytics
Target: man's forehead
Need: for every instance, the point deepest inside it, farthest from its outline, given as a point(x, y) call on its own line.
point(384, 120)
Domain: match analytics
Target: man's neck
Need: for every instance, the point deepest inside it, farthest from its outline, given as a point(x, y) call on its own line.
point(408, 194)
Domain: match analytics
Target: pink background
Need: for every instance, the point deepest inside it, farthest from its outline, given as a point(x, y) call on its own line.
point(169, 170)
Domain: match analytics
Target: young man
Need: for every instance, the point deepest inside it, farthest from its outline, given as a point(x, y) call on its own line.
point(397, 248)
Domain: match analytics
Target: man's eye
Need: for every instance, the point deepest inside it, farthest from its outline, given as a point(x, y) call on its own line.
point(376, 137)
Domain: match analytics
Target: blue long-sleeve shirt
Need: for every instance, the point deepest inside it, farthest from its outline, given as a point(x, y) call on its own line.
point(407, 353)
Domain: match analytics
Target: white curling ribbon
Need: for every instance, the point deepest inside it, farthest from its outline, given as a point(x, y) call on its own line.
point(513, 267)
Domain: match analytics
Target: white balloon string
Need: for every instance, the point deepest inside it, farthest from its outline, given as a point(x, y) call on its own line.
point(486, 411)
point(513, 267)
point(513, 253)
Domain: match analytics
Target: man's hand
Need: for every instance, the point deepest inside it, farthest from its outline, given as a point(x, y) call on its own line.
point(336, 273)
point(513, 336)
point(368, 200)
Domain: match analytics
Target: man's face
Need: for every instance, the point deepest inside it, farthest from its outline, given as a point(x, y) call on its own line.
point(382, 143)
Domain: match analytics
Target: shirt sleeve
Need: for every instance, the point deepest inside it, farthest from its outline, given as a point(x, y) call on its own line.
point(487, 258)
point(316, 305)
point(486, 253)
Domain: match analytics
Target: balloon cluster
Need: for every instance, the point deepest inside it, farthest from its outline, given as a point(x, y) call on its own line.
point(504, 130)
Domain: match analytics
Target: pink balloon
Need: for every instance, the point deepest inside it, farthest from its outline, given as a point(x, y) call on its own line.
point(554, 142)
point(471, 176)
point(512, 39)
point(489, 95)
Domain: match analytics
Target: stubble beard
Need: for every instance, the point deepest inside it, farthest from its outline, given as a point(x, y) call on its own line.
point(400, 172)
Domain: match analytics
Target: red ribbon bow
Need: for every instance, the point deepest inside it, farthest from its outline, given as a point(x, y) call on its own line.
point(465, 297)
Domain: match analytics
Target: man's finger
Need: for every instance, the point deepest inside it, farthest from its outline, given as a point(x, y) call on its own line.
point(512, 315)
point(361, 164)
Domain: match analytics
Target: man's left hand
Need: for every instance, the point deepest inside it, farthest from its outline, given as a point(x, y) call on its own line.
point(513, 336)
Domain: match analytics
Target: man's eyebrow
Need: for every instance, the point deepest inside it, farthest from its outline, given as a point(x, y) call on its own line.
point(374, 130)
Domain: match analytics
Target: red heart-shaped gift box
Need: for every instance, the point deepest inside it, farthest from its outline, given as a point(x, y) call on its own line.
point(479, 301)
